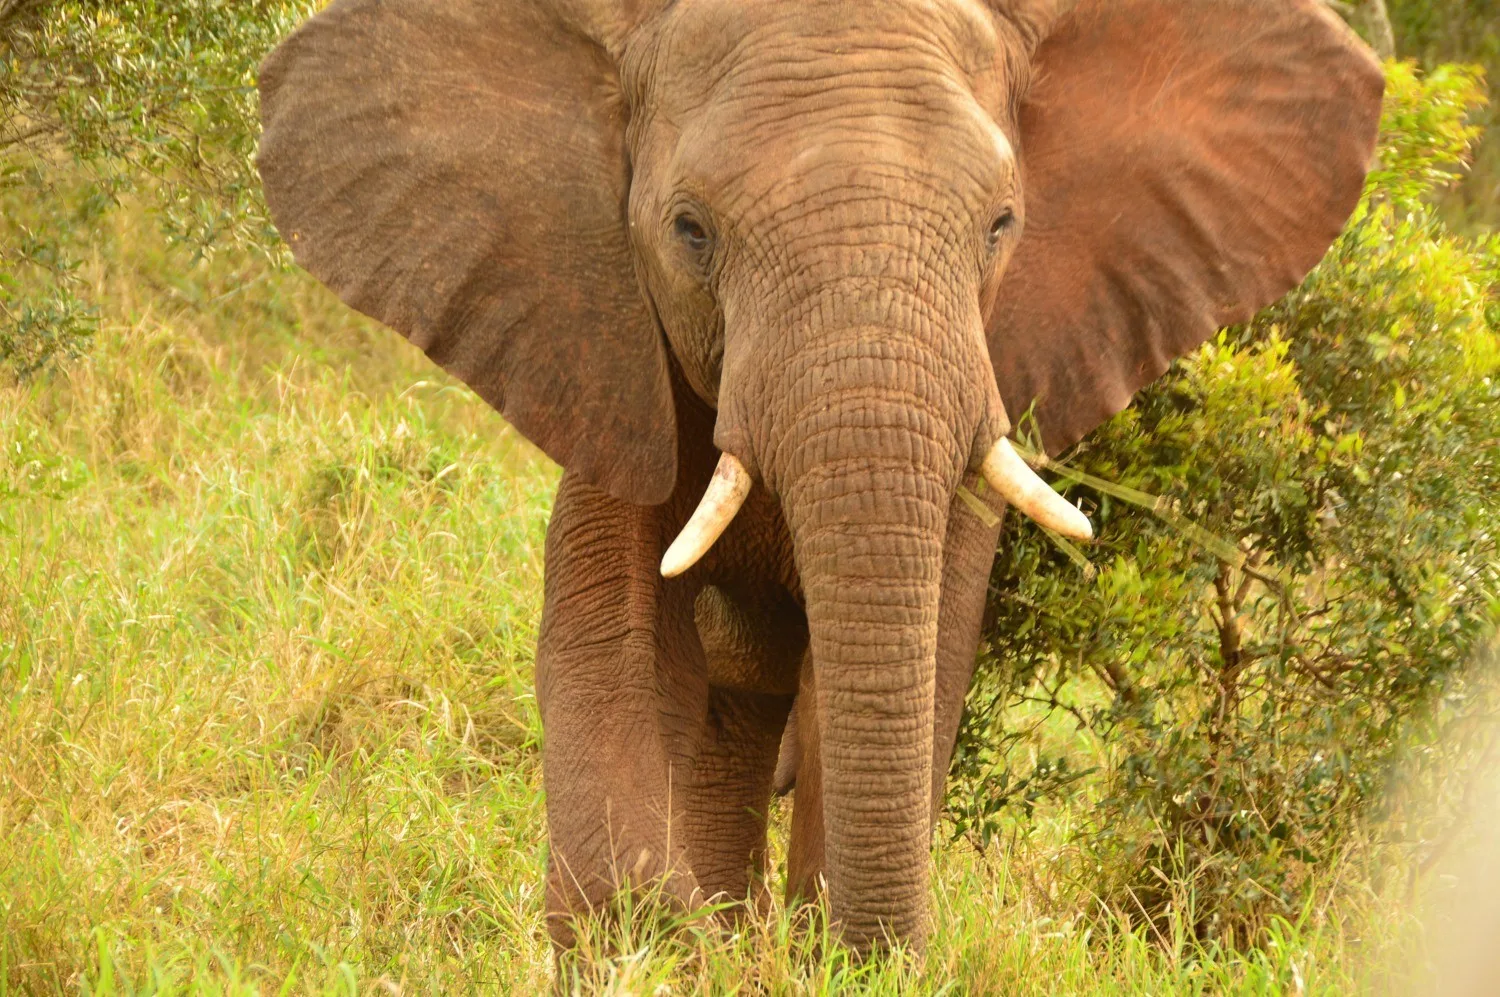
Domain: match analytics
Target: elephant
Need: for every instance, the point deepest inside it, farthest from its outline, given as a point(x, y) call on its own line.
point(770, 280)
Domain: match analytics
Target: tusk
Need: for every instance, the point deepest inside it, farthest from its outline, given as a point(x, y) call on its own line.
point(721, 502)
point(1019, 485)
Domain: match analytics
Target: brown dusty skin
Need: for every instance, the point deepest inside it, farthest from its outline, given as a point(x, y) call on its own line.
point(826, 239)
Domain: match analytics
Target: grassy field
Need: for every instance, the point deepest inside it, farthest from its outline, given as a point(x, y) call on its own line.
point(269, 586)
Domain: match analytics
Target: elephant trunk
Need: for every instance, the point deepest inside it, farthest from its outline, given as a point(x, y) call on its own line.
point(869, 554)
point(866, 475)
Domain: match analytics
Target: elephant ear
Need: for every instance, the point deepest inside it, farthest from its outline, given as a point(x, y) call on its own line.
point(456, 169)
point(1185, 162)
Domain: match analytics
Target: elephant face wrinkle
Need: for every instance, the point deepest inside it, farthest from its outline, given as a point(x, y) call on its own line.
point(852, 174)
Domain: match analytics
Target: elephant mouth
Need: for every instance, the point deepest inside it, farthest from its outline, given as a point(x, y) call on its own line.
point(1003, 469)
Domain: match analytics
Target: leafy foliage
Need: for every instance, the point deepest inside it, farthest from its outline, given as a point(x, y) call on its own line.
point(1244, 712)
point(1438, 31)
point(1428, 131)
point(100, 101)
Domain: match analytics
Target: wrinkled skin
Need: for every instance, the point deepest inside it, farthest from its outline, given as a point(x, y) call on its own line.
point(835, 241)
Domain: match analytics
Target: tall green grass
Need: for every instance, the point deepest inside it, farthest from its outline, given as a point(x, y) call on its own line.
point(269, 588)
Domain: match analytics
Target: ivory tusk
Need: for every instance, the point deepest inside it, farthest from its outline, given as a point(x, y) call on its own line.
point(722, 500)
point(1019, 485)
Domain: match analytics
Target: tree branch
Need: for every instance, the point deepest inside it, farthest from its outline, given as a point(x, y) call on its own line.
point(27, 134)
point(1378, 23)
point(1373, 16)
point(10, 10)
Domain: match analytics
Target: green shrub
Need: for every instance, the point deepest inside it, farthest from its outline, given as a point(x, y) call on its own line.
point(101, 101)
point(1438, 31)
point(1233, 719)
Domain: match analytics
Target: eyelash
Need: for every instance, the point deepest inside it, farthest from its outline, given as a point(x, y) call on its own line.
point(692, 233)
point(1001, 225)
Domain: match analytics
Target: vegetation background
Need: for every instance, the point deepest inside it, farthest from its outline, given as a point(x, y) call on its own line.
point(269, 585)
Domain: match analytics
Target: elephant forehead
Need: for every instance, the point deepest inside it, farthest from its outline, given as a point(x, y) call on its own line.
point(766, 99)
point(705, 46)
point(927, 143)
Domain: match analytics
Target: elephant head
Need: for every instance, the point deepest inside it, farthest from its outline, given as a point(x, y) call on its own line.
point(865, 235)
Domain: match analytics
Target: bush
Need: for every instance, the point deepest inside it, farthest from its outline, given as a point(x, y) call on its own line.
point(1437, 31)
point(101, 101)
point(1235, 717)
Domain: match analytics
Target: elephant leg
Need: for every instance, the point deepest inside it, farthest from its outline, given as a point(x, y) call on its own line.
point(611, 815)
point(968, 555)
point(805, 849)
point(732, 792)
point(788, 758)
point(752, 639)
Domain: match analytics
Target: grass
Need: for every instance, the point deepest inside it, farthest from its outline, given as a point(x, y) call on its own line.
point(269, 587)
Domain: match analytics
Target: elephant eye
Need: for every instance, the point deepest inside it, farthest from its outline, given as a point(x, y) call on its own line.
point(1001, 225)
point(693, 235)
